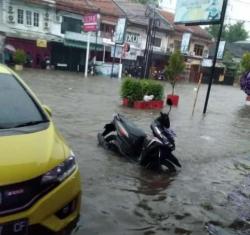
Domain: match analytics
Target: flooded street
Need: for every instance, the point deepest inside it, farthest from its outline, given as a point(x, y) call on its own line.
point(210, 194)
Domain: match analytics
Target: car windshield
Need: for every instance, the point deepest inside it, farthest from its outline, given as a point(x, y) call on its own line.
point(17, 108)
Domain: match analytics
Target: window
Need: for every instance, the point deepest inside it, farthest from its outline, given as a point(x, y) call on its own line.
point(107, 28)
point(157, 42)
point(28, 18)
point(19, 16)
point(198, 50)
point(177, 45)
point(16, 105)
point(36, 19)
point(71, 25)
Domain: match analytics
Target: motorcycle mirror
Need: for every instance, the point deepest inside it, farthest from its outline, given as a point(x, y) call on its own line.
point(169, 102)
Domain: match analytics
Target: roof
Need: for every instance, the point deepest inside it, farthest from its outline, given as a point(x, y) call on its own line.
point(195, 30)
point(106, 8)
point(238, 49)
point(136, 14)
point(4, 69)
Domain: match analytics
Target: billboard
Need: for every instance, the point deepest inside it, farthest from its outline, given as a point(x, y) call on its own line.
point(185, 43)
point(120, 31)
point(198, 11)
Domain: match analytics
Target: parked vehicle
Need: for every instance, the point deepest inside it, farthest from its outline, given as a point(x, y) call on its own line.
point(153, 152)
point(39, 177)
point(158, 74)
point(135, 71)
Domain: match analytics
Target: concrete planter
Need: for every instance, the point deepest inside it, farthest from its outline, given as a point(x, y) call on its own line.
point(18, 67)
point(154, 104)
point(174, 98)
point(248, 100)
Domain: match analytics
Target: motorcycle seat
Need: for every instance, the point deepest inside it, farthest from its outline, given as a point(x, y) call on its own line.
point(132, 129)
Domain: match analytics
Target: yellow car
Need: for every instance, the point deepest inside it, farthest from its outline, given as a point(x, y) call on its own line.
point(39, 178)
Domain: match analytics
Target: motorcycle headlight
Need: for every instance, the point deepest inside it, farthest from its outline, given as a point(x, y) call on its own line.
point(61, 172)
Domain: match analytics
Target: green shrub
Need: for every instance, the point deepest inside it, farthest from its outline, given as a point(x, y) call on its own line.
point(157, 90)
point(20, 57)
point(133, 89)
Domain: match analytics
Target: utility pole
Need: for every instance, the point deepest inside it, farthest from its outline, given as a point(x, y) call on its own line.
point(215, 54)
point(151, 32)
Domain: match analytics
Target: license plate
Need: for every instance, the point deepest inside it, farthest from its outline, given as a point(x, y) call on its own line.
point(19, 227)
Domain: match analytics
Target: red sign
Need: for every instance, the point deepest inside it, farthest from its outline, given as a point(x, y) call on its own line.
point(91, 23)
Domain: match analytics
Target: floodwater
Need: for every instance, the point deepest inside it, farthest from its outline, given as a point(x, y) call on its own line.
point(209, 195)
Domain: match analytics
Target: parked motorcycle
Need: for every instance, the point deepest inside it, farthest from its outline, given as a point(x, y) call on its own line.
point(92, 69)
point(152, 152)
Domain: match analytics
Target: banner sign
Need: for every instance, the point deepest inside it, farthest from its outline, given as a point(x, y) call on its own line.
point(221, 49)
point(91, 23)
point(185, 43)
point(198, 11)
point(120, 31)
point(119, 53)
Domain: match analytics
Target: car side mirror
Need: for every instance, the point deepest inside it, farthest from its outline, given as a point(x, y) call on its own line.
point(48, 110)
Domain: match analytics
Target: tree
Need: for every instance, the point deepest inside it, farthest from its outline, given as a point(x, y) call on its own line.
point(231, 33)
point(236, 32)
point(175, 67)
point(214, 31)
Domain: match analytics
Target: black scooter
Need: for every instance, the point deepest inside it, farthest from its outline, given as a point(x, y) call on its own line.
point(152, 152)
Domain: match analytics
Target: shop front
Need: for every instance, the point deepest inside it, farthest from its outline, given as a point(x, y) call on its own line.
point(71, 54)
point(37, 51)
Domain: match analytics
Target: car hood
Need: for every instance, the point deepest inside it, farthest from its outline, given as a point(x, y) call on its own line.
point(26, 156)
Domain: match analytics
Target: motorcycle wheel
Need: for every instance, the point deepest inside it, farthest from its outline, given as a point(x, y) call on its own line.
point(169, 165)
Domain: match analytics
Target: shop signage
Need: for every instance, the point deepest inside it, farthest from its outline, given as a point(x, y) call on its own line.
point(120, 31)
point(132, 37)
point(198, 11)
point(185, 43)
point(207, 63)
point(221, 49)
point(41, 43)
point(91, 23)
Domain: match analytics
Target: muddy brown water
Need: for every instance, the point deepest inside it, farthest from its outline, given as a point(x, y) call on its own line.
point(209, 195)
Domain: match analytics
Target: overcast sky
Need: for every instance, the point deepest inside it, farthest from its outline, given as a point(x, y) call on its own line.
point(237, 10)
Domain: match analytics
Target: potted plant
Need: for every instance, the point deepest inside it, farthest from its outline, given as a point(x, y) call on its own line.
point(134, 92)
point(131, 91)
point(245, 79)
point(175, 67)
point(19, 59)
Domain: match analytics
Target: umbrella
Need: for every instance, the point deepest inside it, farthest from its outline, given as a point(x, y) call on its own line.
point(10, 48)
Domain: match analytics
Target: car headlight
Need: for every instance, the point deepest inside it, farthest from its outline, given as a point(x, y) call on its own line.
point(61, 172)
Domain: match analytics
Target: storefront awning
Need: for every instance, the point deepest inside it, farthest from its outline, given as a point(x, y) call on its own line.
point(82, 45)
point(80, 41)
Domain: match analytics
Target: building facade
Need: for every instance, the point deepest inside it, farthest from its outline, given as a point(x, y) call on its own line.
point(199, 45)
point(53, 29)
